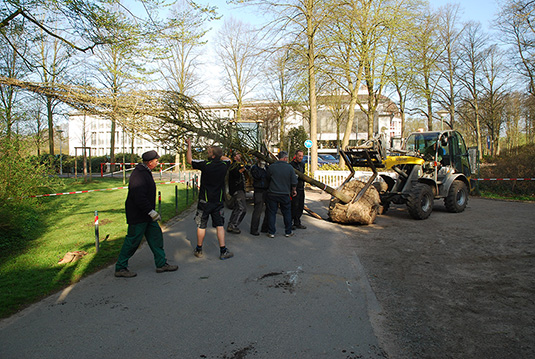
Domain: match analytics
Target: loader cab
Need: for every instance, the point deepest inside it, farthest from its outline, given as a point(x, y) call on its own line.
point(459, 153)
point(446, 147)
point(424, 144)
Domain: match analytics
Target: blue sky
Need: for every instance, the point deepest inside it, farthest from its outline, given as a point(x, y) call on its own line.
point(478, 10)
point(483, 11)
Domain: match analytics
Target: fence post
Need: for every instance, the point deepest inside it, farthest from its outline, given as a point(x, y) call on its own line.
point(187, 193)
point(97, 241)
point(176, 199)
point(160, 203)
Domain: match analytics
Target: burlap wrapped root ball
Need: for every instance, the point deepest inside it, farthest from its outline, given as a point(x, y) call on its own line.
point(362, 211)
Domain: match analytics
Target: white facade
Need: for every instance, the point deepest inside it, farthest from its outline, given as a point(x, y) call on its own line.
point(95, 133)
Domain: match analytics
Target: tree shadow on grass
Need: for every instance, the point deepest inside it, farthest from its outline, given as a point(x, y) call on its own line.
point(25, 285)
point(21, 224)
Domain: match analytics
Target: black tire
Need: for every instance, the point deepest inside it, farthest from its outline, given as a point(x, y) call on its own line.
point(384, 207)
point(457, 198)
point(420, 201)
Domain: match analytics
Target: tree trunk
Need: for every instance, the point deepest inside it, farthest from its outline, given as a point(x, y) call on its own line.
point(50, 117)
point(112, 143)
point(478, 132)
point(312, 88)
point(350, 120)
point(429, 110)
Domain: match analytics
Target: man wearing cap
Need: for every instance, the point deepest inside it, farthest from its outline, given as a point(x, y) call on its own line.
point(142, 218)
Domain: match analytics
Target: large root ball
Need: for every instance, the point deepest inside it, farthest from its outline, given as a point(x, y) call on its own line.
point(362, 211)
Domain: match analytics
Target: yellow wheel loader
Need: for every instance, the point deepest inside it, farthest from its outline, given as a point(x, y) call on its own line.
point(431, 165)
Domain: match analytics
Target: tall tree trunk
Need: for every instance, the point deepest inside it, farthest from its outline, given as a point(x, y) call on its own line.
point(282, 118)
point(478, 131)
point(350, 121)
point(429, 114)
point(50, 117)
point(112, 142)
point(312, 88)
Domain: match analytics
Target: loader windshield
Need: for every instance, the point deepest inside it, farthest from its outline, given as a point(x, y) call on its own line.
point(422, 142)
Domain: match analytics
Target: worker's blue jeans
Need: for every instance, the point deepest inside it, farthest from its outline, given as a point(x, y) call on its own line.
point(274, 201)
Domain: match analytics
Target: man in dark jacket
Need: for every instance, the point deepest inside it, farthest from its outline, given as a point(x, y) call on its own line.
point(282, 182)
point(236, 185)
point(260, 185)
point(142, 218)
point(210, 204)
point(298, 201)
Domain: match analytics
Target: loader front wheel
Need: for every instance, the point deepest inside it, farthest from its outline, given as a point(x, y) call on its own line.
point(457, 197)
point(420, 201)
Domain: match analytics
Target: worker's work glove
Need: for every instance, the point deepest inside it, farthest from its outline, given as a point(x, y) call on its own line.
point(155, 216)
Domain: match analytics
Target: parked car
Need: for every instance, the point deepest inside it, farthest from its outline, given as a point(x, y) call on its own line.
point(330, 159)
point(321, 161)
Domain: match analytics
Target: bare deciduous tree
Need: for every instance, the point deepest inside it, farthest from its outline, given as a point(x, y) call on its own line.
point(51, 63)
point(181, 47)
point(473, 50)
point(448, 62)
point(238, 54)
point(11, 66)
point(516, 20)
point(298, 22)
point(283, 78)
point(427, 52)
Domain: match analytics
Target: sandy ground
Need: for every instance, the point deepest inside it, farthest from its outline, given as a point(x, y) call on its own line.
point(454, 285)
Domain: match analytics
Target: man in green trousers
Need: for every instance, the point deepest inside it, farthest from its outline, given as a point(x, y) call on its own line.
point(142, 218)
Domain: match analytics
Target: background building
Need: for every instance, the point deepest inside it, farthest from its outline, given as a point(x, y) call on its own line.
point(94, 132)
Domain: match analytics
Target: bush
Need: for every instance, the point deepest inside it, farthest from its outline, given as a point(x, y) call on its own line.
point(295, 140)
point(168, 158)
point(128, 157)
point(20, 175)
point(515, 163)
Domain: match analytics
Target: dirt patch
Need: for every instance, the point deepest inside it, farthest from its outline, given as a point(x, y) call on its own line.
point(452, 286)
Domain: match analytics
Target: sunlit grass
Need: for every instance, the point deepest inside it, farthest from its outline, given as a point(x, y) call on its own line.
point(31, 270)
point(504, 196)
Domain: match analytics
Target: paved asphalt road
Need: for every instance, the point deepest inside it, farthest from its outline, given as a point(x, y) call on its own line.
point(301, 297)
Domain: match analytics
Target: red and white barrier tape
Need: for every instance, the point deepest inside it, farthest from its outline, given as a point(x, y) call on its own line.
point(504, 179)
point(92, 190)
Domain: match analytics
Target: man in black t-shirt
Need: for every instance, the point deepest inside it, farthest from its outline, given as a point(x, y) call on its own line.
point(213, 173)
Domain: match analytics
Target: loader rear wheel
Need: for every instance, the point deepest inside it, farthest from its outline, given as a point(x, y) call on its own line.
point(420, 201)
point(457, 198)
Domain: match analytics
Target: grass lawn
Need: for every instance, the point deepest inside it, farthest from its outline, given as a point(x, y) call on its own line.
point(66, 223)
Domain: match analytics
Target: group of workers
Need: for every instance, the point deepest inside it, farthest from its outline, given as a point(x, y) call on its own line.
point(275, 186)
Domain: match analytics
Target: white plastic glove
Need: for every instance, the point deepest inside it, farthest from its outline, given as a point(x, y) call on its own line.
point(155, 216)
